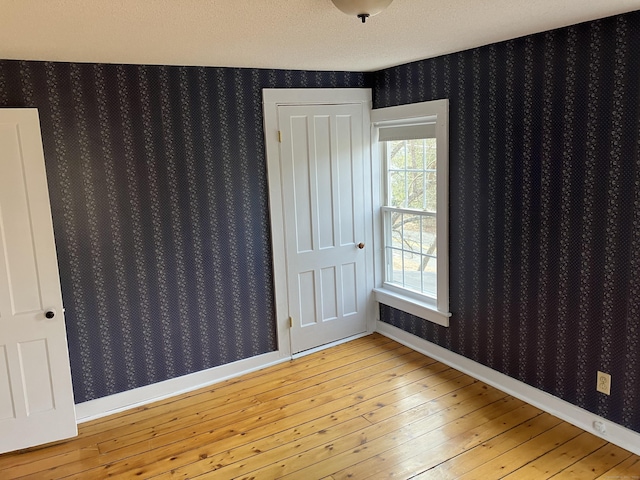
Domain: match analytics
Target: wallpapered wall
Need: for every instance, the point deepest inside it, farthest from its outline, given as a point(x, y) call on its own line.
point(545, 208)
point(158, 187)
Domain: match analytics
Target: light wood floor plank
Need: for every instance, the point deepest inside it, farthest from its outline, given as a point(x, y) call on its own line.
point(414, 402)
point(268, 449)
point(229, 391)
point(331, 457)
point(370, 408)
point(627, 470)
point(315, 363)
point(199, 412)
point(154, 449)
point(409, 460)
point(559, 458)
point(342, 408)
point(457, 465)
point(596, 464)
point(308, 401)
point(405, 436)
point(514, 459)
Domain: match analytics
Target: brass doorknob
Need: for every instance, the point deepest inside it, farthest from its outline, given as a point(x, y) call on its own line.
point(361, 245)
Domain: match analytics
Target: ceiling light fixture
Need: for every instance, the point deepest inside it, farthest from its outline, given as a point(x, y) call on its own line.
point(363, 9)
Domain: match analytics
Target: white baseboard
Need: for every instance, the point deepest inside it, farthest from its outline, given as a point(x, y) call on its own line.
point(329, 345)
point(614, 433)
point(119, 402)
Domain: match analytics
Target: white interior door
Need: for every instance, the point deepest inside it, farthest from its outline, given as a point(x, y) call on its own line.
point(36, 397)
point(322, 161)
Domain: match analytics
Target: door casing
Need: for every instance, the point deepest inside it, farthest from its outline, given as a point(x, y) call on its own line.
point(272, 98)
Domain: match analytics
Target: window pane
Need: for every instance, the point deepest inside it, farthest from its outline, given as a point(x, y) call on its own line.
point(397, 192)
point(411, 248)
point(412, 174)
point(430, 174)
point(429, 236)
point(423, 153)
point(415, 190)
point(396, 155)
point(430, 153)
point(429, 271)
point(411, 251)
point(430, 191)
point(412, 272)
point(411, 236)
point(415, 154)
point(396, 229)
point(395, 266)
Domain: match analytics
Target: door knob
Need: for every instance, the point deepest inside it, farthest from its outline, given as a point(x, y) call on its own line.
point(50, 314)
point(361, 245)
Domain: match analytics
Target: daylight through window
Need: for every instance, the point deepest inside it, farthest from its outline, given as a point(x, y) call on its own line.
point(410, 214)
point(414, 206)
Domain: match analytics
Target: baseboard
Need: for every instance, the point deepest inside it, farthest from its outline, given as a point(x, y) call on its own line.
point(119, 402)
point(614, 433)
point(329, 345)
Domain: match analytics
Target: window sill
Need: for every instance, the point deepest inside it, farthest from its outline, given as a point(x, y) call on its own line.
point(412, 306)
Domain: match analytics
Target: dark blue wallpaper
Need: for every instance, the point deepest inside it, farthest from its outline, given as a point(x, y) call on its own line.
point(158, 186)
point(159, 195)
point(545, 208)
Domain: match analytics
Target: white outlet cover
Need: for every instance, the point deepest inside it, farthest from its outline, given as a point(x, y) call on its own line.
point(603, 384)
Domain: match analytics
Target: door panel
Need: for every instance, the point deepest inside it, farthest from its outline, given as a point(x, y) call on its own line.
point(302, 196)
point(321, 135)
point(329, 293)
point(35, 370)
point(18, 256)
point(307, 291)
point(350, 289)
point(345, 191)
point(322, 176)
point(36, 398)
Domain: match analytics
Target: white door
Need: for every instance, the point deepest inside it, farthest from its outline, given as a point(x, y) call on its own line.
point(322, 158)
point(36, 397)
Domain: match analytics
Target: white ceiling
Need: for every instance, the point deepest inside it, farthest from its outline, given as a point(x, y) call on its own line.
point(285, 34)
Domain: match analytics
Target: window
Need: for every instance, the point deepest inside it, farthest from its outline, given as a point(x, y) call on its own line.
point(414, 208)
point(409, 214)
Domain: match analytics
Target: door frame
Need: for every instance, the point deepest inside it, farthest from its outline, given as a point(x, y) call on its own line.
point(272, 99)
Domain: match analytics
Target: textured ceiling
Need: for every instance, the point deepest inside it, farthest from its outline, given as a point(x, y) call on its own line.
point(285, 34)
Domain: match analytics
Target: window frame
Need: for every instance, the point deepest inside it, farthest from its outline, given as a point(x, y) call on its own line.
point(424, 306)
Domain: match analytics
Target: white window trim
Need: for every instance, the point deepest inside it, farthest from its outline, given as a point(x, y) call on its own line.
point(419, 305)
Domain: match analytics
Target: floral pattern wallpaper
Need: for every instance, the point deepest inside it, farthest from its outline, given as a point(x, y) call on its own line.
point(157, 179)
point(158, 186)
point(545, 208)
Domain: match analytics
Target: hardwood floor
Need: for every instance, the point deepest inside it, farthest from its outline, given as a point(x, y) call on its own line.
point(370, 408)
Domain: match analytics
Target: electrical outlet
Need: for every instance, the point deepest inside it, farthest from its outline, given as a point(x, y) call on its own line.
point(604, 383)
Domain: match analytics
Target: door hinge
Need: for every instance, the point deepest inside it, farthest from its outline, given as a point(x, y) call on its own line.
point(290, 322)
point(279, 136)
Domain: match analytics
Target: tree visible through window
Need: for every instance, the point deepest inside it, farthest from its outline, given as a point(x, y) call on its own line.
point(414, 197)
point(410, 214)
